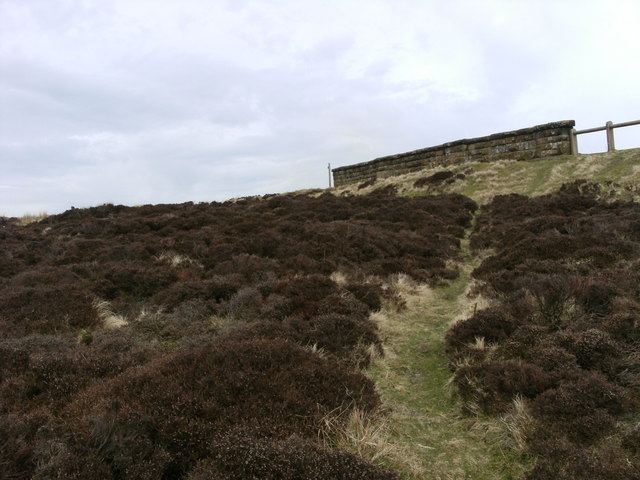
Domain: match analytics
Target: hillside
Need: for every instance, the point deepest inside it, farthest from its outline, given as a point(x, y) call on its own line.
point(619, 171)
point(476, 322)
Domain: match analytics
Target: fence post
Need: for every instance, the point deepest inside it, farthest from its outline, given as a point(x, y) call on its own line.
point(611, 144)
point(574, 141)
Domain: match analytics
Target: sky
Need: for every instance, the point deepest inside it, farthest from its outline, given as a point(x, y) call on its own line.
point(166, 101)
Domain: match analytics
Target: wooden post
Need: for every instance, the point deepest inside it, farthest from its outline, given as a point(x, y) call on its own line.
point(329, 168)
point(574, 141)
point(611, 144)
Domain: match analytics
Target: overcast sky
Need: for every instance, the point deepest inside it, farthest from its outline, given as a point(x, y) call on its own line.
point(164, 101)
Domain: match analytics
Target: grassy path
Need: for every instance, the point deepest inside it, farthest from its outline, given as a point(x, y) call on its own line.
point(436, 441)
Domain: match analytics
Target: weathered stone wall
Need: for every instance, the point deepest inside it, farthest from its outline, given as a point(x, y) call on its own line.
point(525, 144)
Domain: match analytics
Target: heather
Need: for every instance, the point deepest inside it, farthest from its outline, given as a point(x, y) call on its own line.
point(162, 341)
point(561, 333)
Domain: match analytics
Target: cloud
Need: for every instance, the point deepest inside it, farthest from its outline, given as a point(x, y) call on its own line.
point(144, 102)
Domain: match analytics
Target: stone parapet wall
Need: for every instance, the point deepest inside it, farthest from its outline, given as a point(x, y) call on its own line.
point(528, 143)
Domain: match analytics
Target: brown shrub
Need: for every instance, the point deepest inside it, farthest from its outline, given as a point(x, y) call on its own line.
point(367, 293)
point(238, 456)
point(192, 396)
point(49, 309)
point(435, 179)
point(132, 280)
point(494, 325)
point(493, 385)
point(566, 462)
point(343, 303)
point(583, 409)
point(593, 349)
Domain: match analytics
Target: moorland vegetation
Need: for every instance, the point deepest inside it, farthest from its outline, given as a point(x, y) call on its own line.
point(221, 340)
point(203, 340)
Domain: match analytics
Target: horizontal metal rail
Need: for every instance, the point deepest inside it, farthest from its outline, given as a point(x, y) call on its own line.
point(611, 145)
point(626, 124)
point(589, 130)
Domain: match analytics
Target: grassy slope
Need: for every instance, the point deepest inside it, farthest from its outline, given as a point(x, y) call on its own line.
point(535, 177)
point(432, 439)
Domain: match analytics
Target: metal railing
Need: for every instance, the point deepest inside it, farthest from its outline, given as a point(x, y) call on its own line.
point(611, 144)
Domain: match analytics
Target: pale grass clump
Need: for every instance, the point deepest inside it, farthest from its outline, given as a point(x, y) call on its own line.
point(412, 292)
point(369, 436)
point(388, 326)
point(109, 318)
point(340, 278)
point(175, 259)
point(28, 218)
point(315, 350)
point(481, 345)
point(514, 425)
point(469, 304)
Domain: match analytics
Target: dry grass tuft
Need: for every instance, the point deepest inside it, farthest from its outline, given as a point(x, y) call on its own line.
point(412, 292)
point(515, 424)
point(28, 218)
point(109, 318)
point(340, 278)
point(175, 259)
point(319, 351)
point(369, 436)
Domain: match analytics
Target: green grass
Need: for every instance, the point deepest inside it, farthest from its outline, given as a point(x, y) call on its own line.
point(534, 177)
point(424, 413)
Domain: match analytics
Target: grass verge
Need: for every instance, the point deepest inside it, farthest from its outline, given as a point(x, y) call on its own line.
point(432, 440)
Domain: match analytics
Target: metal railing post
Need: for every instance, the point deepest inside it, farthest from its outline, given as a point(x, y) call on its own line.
point(611, 144)
point(574, 141)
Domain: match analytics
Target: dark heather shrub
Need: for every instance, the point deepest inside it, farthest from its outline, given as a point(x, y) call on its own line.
point(305, 293)
point(193, 396)
point(389, 190)
point(245, 304)
point(133, 280)
point(48, 309)
point(126, 442)
point(12, 361)
point(45, 276)
point(631, 441)
point(435, 179)
point(342, 335)
point(597, 299)
point(56, 356)
point(570, 463)
point(343, 303)
point(493, 385)
point(552, 358)
point(59, 461)
point(187, 319)
point(584, 409)
point(366, 183)
point(251, 268)
point(593, 348)
point(18, 435)
point(557, 299)
point(10, 266)
point(367, 293)
point(523, 339)
point(623, 325)
point(238, 456)
point(494, 325)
